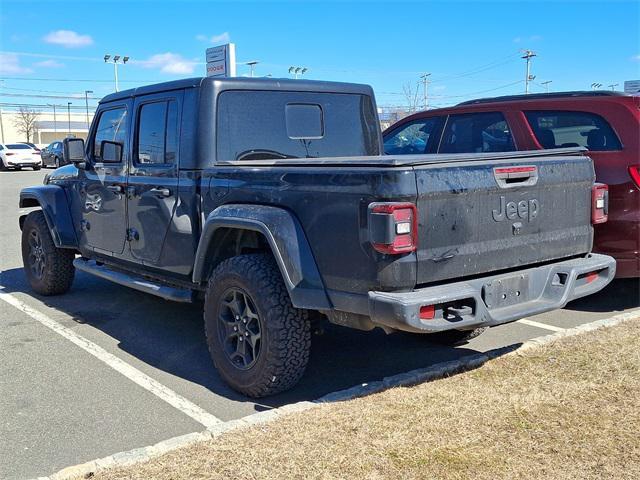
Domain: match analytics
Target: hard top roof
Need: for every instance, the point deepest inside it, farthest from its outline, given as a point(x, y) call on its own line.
point(243, 83)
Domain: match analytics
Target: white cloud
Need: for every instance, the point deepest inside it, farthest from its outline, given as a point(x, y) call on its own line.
point(68, 38)
point(222, 38)
point(169, 63)
point(532, 38)
point(48, 64)
point(636, 58)
point(10, 64)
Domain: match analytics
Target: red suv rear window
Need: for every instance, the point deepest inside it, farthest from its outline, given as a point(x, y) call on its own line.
point(559, 129)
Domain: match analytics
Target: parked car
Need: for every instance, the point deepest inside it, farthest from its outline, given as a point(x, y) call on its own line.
point(32, 145)
point(52, 155)
point(605, 123)
point(18, 156)
point(230, 190)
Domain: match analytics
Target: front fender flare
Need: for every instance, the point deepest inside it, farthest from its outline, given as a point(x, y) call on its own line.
point(53, 202)
point(288, 244)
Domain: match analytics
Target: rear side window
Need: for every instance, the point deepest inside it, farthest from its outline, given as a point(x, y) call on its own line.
point(157, 133)
point(112, 127)
point(412, 138)
point(477, 133)
point(264, 125)
point(558, 129)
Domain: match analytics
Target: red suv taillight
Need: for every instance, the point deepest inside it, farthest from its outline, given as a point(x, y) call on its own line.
point(393, 227)
point(634, 172)
point(599, 203)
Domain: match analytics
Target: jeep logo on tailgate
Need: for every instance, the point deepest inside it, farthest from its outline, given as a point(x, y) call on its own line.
point(524, 209)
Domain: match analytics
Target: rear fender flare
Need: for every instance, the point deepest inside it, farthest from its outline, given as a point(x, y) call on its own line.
point(288, 244)
point(53, 202)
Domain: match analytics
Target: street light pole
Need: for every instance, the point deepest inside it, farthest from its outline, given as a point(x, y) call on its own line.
point(116, 59)
point(1, 124)
point(86, 103)
point(297, 71)
point(546, 85)
point(613, 86)
point(68, 118)
point(252, 65)
point(55, 119)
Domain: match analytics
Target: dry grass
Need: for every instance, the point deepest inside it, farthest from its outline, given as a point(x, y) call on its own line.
point(565, 411)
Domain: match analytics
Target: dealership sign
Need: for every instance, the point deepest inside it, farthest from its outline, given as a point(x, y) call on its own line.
point(221, 61)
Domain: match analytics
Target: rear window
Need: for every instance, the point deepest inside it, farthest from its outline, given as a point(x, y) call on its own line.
point(18, 146)
point(477, 133)
point(264, 125)
point(558, 129)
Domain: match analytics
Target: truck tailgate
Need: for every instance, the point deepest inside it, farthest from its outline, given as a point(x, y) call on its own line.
point(487, 215)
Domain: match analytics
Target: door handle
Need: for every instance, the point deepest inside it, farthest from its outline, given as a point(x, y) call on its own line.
point(115, 188)
point(160, 192)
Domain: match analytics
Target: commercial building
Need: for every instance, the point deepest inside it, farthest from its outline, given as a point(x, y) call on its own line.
point(47, 126)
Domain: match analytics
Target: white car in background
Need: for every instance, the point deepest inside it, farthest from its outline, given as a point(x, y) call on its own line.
point(18, 156)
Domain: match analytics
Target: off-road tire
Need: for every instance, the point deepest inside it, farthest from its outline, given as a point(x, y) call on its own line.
point(58, 271)
point(36, 168)
point(285, 330)
point(455, 337)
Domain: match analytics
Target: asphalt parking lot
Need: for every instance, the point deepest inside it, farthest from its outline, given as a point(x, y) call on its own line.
point(61, 405)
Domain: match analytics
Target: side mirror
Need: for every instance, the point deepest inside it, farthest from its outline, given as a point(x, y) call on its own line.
point(73, 151)
point(110, 152)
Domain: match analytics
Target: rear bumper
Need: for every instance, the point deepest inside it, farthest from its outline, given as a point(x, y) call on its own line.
point(23, 162)
point(628, 266)
point(548, 287)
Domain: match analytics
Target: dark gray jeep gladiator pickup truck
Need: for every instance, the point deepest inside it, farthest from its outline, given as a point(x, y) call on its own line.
point(270, 200)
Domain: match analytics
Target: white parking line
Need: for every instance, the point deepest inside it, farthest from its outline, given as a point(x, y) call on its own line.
point(164, 393)
point(531, 323)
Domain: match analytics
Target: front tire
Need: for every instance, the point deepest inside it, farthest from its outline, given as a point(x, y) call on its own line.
point(49, 269)
point(259, 342)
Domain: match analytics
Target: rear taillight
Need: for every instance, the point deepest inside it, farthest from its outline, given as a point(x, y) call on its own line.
point(393, 227)
point(36, 153)
point(599, 203)
point(427, 312)
point(9, 153)
point(634, 172)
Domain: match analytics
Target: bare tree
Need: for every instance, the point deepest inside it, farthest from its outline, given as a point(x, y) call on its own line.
point(25, 122)
point(411, 96)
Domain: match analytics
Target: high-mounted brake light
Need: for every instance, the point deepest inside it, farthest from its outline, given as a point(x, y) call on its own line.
point(599, 203)
point(504, 170)
point(393, 227)
point(634, 172)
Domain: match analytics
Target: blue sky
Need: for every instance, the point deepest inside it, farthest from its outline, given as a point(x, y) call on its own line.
point(470, 48)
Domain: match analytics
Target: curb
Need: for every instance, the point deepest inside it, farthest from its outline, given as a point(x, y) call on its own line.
point(413, 377)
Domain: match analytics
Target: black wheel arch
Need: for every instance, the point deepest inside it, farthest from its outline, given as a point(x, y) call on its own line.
point(53, 202)
point(239, 228)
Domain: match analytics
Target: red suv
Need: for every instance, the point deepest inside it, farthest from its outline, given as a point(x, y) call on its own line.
point(606, 123)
